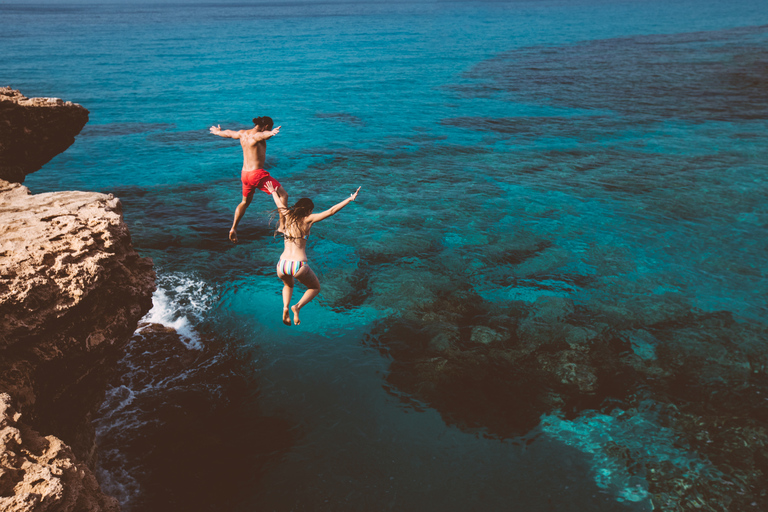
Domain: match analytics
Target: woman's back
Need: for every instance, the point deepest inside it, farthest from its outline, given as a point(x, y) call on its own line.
point(296, 235)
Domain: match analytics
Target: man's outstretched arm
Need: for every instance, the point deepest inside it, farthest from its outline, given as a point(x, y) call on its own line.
point(232, 134)
point(265, 135)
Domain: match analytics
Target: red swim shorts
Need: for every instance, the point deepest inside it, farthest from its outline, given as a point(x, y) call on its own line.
point(257, 179)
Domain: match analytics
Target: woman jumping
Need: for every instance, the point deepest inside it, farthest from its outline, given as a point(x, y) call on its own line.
point(298, 220)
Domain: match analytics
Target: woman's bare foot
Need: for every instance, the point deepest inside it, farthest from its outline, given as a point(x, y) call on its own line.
point(233, 235)
point(286, 316)
point(295, 315)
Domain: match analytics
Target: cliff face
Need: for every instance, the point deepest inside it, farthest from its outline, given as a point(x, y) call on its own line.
point(72, 290)
point(41, 473)
point(32, 131)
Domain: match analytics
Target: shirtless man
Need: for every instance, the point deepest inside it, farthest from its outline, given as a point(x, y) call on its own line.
point(253, 175)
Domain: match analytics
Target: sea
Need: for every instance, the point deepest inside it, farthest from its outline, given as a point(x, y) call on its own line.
point(550, 294)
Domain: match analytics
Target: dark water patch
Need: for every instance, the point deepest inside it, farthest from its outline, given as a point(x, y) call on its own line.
point(359, 290)
point(373, 255)
point(718, 75)
point(588, 129)
point(341, 117)
point(122, 129)
point(182, 216)
point(563, 282)
point(519, 255)
point(173, 420)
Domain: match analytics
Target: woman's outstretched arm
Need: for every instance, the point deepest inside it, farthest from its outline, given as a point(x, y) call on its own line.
point(317, 217)
point(278, 200)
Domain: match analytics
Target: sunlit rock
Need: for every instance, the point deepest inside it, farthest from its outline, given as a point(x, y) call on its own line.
point(33, 131)
point(41, 473)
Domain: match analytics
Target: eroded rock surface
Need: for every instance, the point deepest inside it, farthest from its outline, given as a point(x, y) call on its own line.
point(41, 473)
point(34, 130)
point(72, 290)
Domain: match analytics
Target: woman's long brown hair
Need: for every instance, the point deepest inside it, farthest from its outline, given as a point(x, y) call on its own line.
point(295, 214)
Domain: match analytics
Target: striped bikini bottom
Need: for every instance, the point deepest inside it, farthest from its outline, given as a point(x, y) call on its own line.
point(289, 267)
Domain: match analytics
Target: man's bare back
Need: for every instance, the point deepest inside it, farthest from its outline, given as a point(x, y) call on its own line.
point(254, 144)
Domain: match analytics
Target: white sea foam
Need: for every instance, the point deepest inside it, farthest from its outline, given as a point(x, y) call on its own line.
point(180, 301)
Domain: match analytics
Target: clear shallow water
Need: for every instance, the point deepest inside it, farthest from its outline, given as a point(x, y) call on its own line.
point(550, 171)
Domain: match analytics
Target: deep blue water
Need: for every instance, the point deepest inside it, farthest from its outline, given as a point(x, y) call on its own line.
point(537, 174)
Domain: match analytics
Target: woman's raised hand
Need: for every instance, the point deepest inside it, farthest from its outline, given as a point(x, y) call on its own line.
point(270, 188)
point(354, 196)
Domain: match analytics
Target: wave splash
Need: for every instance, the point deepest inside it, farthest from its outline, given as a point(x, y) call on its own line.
point(180, 302)
point(154, 365)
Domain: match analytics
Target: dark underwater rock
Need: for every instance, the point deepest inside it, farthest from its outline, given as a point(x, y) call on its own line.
point(500, 368)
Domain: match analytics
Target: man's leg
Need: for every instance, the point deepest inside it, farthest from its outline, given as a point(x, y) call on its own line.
point(239, 212)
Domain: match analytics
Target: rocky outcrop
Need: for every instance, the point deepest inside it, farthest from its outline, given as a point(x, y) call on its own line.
point(72, 290)
point(41, 473)
point(33, 131)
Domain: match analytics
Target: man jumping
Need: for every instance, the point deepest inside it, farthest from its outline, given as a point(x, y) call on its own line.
point(253, 175)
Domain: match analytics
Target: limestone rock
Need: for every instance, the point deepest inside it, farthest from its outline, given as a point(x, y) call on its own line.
point(39, 474)
point(33, 131)
point(72, 290)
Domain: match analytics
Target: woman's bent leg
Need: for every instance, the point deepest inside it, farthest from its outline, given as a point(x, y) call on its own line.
point(287, 293)
point(308, 278)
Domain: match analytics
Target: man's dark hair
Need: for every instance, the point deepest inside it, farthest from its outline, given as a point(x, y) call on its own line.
point(264, 121)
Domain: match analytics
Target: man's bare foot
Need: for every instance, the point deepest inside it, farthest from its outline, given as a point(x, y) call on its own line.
point(286, 316)
point(233, 235)
point(295, 315)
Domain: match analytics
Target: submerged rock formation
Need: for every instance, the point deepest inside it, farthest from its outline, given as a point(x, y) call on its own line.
point(33, 131)
point(72, 290)
point(664, 395)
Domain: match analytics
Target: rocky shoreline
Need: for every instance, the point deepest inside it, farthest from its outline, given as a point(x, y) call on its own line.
point(72, 291)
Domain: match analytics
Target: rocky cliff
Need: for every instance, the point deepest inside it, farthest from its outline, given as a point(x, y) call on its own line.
point(41, 473)
point(34, 130)
point(72, 290)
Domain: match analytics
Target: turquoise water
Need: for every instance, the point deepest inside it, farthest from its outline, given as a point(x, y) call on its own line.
point(574, 186)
